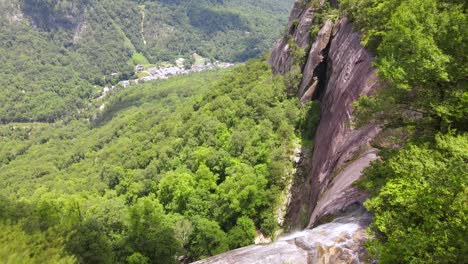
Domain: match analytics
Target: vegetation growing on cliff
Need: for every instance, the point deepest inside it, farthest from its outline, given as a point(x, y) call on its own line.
point(191, 166)
point(420, 186)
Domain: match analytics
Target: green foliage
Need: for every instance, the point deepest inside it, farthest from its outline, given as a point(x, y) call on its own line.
point(293, 77)
point(243, 234)
point(207, 239)
point(40, 80)
point(90, 243)
point(309, 121)
point(149, 234)
point(175, 191)
point(421, 48)
point(420, 209)
point(419, 192)
point(189, 166)
point(53, 52)
point(18, 247)
point(222, 30)
point(138, 58)
point(137, 258)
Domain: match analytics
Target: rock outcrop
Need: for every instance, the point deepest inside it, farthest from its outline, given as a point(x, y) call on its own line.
point(337, 72)
point(300, 22)
point(317, 56)
point(302, 32)
point(338, 242)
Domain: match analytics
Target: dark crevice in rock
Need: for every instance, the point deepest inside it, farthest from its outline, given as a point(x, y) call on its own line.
point(314, 71)
point(321, 72)
point(338, 71)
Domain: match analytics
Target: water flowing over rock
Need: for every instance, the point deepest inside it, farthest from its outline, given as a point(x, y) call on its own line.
point(337, 242)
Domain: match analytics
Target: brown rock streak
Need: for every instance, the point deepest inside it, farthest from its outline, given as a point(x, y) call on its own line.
point(336, 141)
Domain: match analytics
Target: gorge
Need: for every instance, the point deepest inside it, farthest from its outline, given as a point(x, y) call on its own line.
point(347, 143)
point(337, 71)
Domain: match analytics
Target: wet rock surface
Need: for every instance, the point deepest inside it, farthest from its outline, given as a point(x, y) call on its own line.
point(337, 242)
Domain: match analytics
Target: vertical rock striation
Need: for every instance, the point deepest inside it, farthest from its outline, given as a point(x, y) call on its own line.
point(338, 70)
point(337, 144)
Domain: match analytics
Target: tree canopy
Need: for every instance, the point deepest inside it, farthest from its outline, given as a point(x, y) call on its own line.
point(191, 166)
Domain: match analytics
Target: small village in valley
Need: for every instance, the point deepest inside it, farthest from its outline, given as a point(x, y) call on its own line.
point(147, 73)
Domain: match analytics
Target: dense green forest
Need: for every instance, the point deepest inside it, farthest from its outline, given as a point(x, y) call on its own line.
point(54, 52)
point(190, 166)
point(419, 187)
point(185, 168)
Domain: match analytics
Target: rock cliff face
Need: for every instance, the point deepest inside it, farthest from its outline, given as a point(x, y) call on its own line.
point(300, 22)
point(338, 147)
point(337, 71)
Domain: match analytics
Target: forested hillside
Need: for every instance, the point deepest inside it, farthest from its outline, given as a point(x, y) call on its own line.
point(191, 166)
point(53, 52)
point(177, 170)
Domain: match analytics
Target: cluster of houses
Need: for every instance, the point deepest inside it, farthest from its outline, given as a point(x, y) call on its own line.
point(166, 72)
point(156, 73)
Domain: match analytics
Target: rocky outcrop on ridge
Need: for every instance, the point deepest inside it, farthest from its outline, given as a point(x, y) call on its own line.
point(317, 56)
point(300, 22)
point(337, 72)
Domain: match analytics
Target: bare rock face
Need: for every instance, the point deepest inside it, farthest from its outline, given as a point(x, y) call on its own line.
point(343, 67)
point(300, 22)
point(296, 13)
point(280, 59)
point(316, 56)
point(336, 142)
point(302, 33)
point(341, 193)
point(338, 242)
